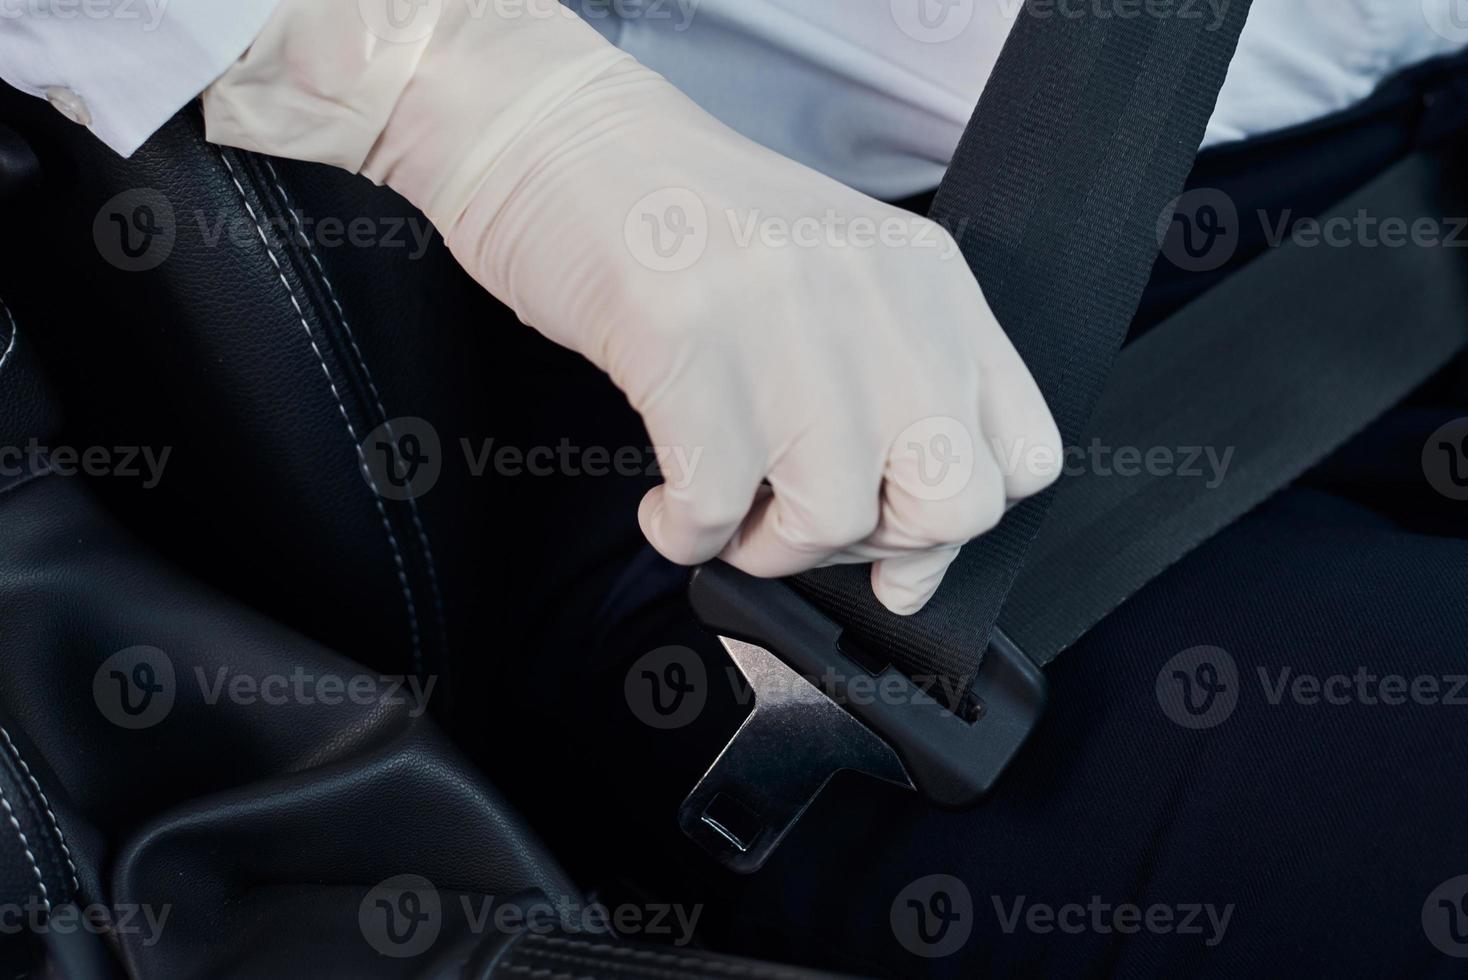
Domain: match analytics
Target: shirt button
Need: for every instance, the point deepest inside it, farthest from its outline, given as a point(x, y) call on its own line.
point(69, 104)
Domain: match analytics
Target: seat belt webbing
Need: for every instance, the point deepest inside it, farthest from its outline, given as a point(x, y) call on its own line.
point(1085, 132)
point(1276, 367)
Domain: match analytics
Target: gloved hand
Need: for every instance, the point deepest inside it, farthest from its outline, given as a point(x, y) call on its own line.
point(824, 362)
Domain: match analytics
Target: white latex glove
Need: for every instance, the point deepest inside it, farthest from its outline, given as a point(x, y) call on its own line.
point(842, 391)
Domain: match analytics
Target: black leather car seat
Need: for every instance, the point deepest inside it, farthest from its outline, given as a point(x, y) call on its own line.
point(188, 301)
point(157, 819)
point(275, 321)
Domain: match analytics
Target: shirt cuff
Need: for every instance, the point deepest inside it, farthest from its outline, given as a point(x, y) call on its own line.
point(123, 68)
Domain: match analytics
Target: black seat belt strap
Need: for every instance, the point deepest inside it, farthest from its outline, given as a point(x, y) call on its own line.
point(1266, 374)
point(1086, 132)
point(1272, 370)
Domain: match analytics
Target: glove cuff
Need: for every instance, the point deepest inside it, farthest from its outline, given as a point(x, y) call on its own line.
point(422, 95)
point(320, 81)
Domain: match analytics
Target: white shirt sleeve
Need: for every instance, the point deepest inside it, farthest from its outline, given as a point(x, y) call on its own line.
point(1298, 61)
point(123, 67)
point(877, 92)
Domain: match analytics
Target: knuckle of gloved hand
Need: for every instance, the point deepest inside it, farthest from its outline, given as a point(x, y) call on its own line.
point(832, 523)
point(955, 520)
point(717, 509)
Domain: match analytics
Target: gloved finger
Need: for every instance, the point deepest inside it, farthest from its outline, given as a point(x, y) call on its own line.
point(939, 490)
point(1018, 427)
point(862, 553)
point(943, 488)
point(816, 509)
point(905, 584)
point(707, 493)
point(865, 553)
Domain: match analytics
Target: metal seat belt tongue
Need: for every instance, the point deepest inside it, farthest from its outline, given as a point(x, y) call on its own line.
point(821, 707)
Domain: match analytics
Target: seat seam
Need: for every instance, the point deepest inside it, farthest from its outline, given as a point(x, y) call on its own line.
point(5, 356)
point(392, 540)
point(430, 563)
point(660, 971)
point(14, 332)
point(46, 804)
point(25, 845)
point(668, 959)
point(542, 972)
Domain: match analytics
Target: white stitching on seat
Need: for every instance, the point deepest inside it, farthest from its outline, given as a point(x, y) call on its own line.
point(14, 331)
point(55, 825)
point(669, 967)
point(341, 313)
point(669, 959)
point(392, 540)
point(25, 845)
point(542, 973)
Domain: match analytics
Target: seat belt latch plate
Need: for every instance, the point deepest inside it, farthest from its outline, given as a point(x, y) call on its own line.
point(819, 710)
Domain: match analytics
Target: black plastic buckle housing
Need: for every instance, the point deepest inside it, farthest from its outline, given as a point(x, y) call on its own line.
point(951, 761)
